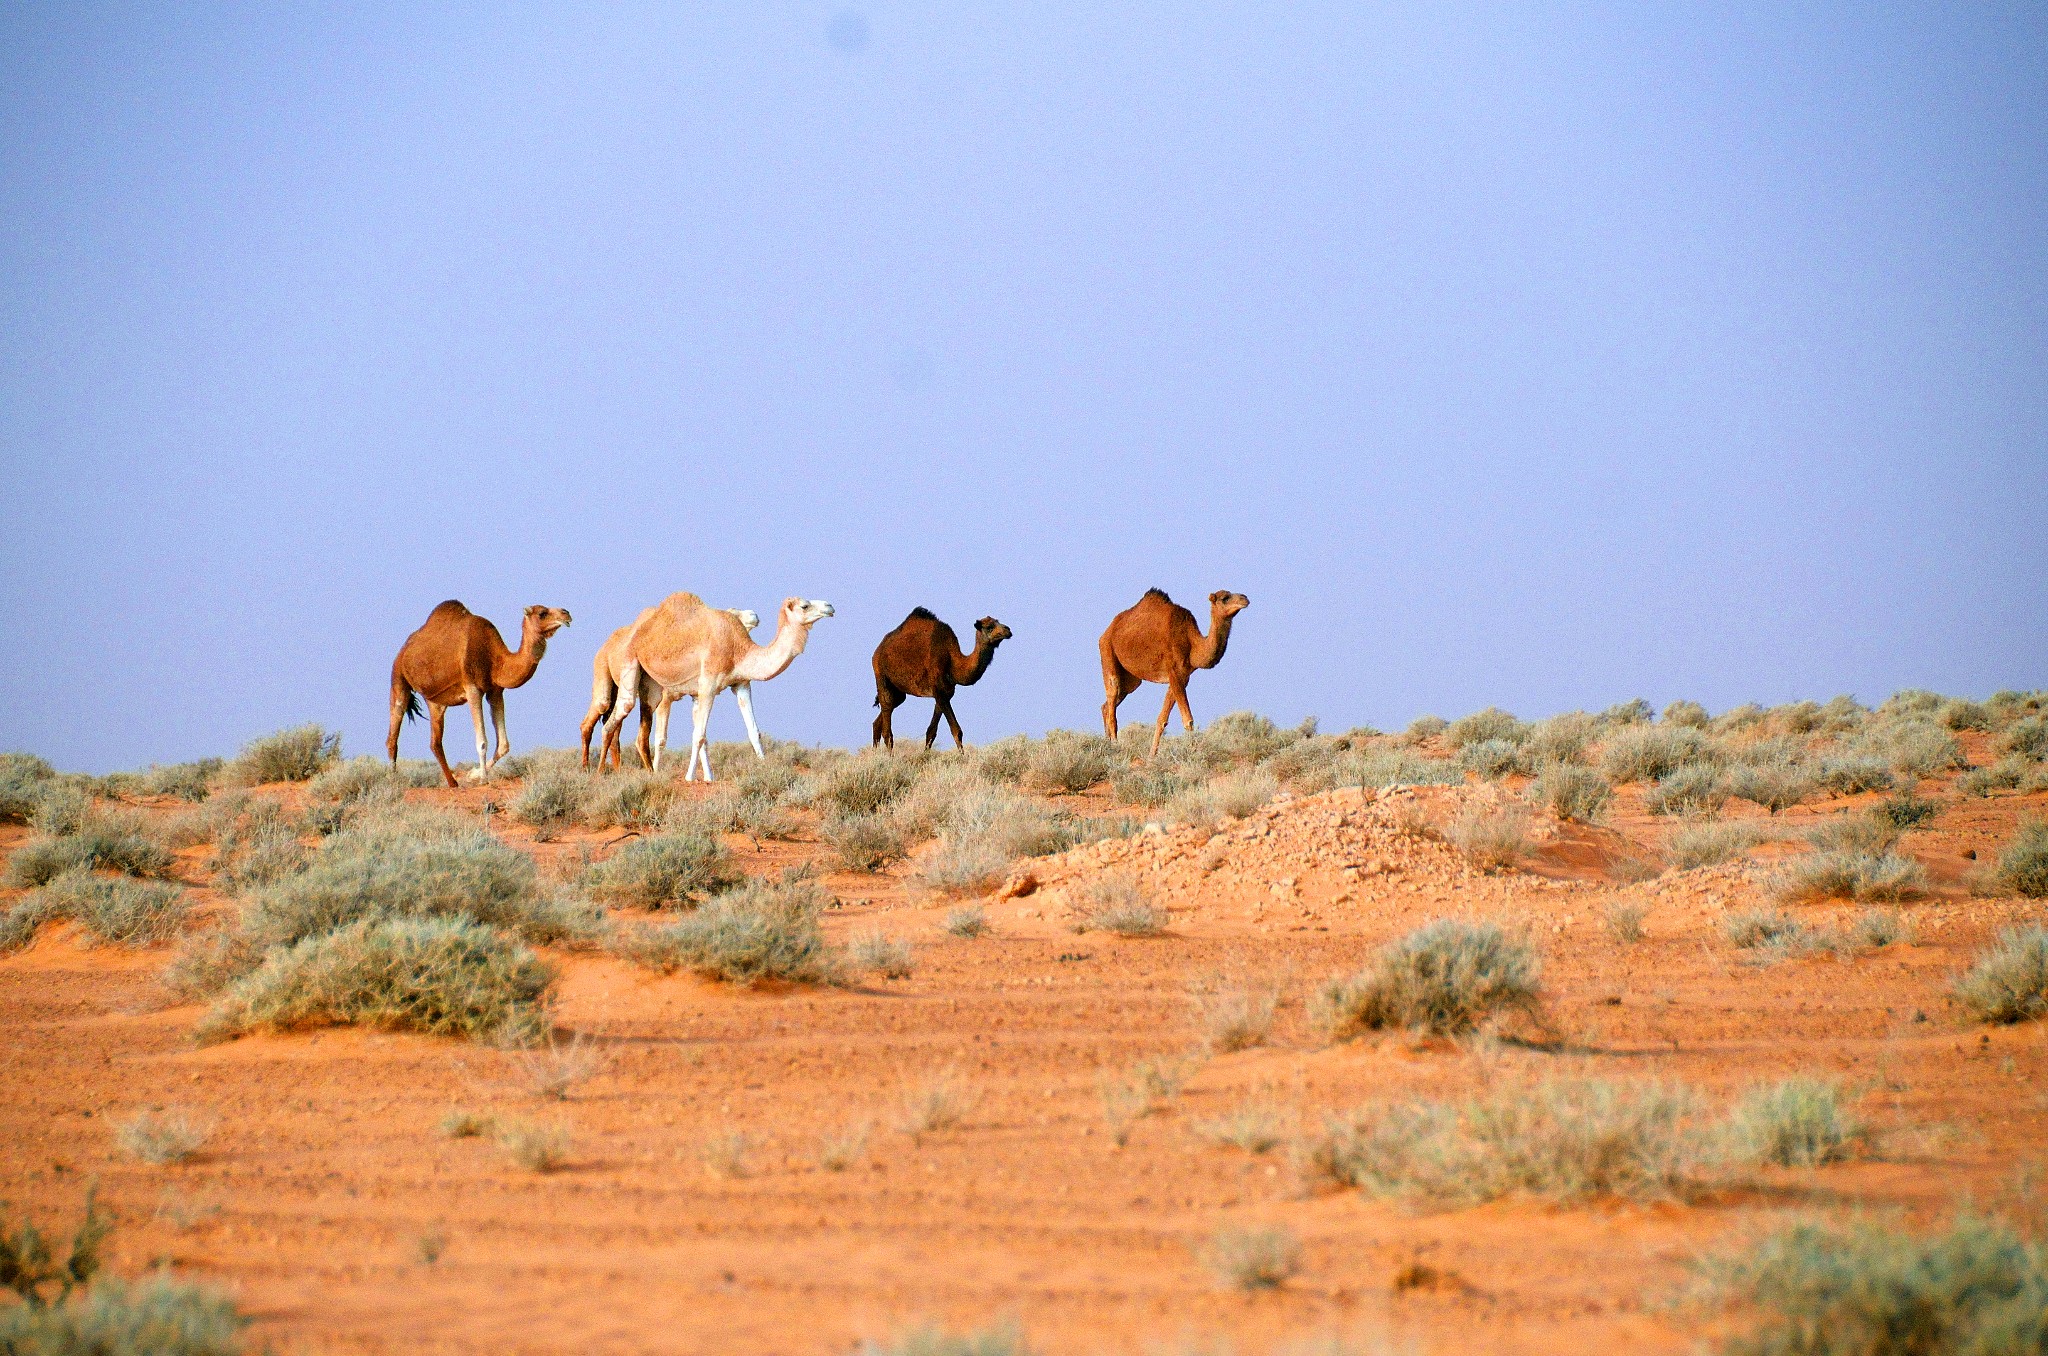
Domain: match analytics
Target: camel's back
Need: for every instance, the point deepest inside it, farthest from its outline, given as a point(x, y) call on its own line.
point(681, 633)
point(436, 658)
point(611, 656)
point(916, 652)
point(1150, 636)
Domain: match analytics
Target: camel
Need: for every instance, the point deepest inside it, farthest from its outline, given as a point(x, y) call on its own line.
point(604, 689)
point(683, 648)
point(1157, 641)
point(458, 658)
point(922, 658)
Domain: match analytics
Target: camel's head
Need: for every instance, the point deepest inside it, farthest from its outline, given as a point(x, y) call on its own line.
point(545, 621)
point(1224, 603)
point(990, 630)
point(805, 611)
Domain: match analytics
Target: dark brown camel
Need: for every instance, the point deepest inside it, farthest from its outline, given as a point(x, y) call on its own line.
point(458, 658)
point(1157, 641)
point(922, 658)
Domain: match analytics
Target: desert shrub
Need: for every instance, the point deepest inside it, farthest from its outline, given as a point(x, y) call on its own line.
point(1823, 875)
point(1491, 836)
point(1855, 772)
point(348, 780)
point(295, 755)
point(1911, 748)
point(1003, 1339)
point(1067, 762)
point(362, 874)
point(941, 1101)
point(762, 930)
point(1903, 810)
point(1004, 761)
point(986, 831)
point(22, 777)
point(114, 910)
point(1878, 928)
point(1253, 1259)
point(442, 976)
point(1634, 711)
point(2028, 738)
point(629, 799)
point(2023, 866)
point(2007, 774)
point(1625, 921)
point(864, 842)
point(1233, 1016)
point(1649, 752)
point(101, 845)
point(1481, 726)
point(1242, 738)
point(1491, 758)
point(1254, 1127)
point(769, 778)
point(1773, 785)
point(1424, 728)
point(1962, 714)
point(1306, 766)
point(759, 817)
point(1911, 701)
point(257, 845)
point(60, 807)
point(1446, 977)
point(1385, 768)
point(1561, 739)
point(1839, 714)
point(533, 1145)
point(1753, 928)
point(157, 1317)
point(1237, 794)
point(887, 958)
point(966, 922)
point(1866, 833)
point(1147, 784)
point(1865, 1289)
point(2009, 982)
point(1116, 904)
point(668, 870)
point(1686, 713)
point(1692, 789)
point(1709, 843)
point(1572, 792)
point(171, 1137)
point(1797, 1123)
point(1567, 1139)
point(550, 801)
point(865, 783)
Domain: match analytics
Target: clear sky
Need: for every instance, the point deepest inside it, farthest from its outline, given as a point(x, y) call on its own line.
point(1539, 356)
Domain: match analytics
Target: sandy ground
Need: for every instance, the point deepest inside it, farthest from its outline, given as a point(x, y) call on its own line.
point(325, 1185)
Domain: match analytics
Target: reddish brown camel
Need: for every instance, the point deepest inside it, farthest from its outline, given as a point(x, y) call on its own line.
point(458, 658)
point(1157, 641)
point(922, 658)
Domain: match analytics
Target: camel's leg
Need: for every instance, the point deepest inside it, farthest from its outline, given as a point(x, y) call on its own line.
point(401, 701)
point(945, 704)
point(645, 743)
point(476, 718)
point(1173, 693)
point(660, 706)
point(622, 706)
point(931, 731)
point(888, 698)
point(437, 718)
point(503, 742)
point(1119, 684)
point(700, 746)
point(1187, 717)
point(743, 693)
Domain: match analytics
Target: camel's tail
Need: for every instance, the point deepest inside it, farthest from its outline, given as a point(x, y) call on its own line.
point(413, 709)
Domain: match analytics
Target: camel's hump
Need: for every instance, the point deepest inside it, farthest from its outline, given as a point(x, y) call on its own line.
point(921, 614)
point(1160, 594)
point(451, 608)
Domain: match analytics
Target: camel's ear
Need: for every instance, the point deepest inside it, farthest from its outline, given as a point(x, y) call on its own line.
point(1220, 596)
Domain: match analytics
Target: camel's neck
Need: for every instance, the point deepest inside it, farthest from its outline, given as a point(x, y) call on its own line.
point(1207, 651)
point(763, 662)
point(968, 668)
point(511, 668)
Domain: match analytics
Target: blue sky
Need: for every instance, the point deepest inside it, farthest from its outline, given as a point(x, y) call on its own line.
point(1543, 357)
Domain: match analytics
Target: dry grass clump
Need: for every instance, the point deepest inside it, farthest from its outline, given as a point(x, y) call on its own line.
point(1491, 836)
point(295, 755)
point(1875, 929)
point(1868, 1289)
point(1567, 1139)
point(2009, 982)
point(23, 779)
point(1561, 739)
point(441, 976)
point(1773, 784)
point(1148, 1085)
point(1067, 762)
point(966, 922)
point(2023, 866)
point(940, 1102)
point(2010, 773)
point(534, 1145)
point(1117, 904)
point(1797, 1123)
point(463, 1124)
point(1850, 774)
point(1625, 921)
point(1686, 713)
point(890, 959)
point(112, 910)
point(1232, 1016)
point(554, 1070)
point(347, 780)
point(551, 801)
point(1492, 724)
point(1649, 752)
point(1004, 1339)
point(1446, 978)
point(60, 807)
point(865, 841)
point(1753, 928)
point(156, 1317)
point(1491, 758)
point(1256, 1127)
point(1910, 747)
point(864, 783)
point(2027, 738)
point(101, 843)
point(1253, 1259)
point(1148, 784)
point(762, 930)
point(1382, 768)
point(668, 870)
point(725, 1154)
point(629, 798)
point(1693, 789)
point(1571, 792)
point(985, 831)
point(1710, 843)
point(1861, 876)
point(172, 1137)
point(841, 1149)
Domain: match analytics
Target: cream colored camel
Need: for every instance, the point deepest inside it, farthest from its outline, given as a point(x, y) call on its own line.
point(604, 687)
point(685, 649)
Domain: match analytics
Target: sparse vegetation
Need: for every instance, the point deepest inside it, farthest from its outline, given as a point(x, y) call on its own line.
point(889, 959)
point(842, 1149)
point(534, 1145)
point(1798, 1123)
point(161, 1138)
point(1572, 792)
point(99, 845)
point(1649, 752)
point(554, 1070)
point(2009, 982)
point(1253, 1259)
point(725, 1154)
point(1752, 928)
point(1116, 904)
point(1256, 1127)
point(461, 1124)
point(1625, 921)
point(1493, 837)
point(865, 841)
point(940, 1102)
point(1003, 1339)
point(1710, 843)
point(155, 1317)
point(1490, 725)
point(966, 922)
point(1854, 773)
point(1690, 789)
point(295, 755)
point(1773, 785)
point(2023, 866)
point(669, 870)
point(113, 910)
point(1860, 876)
point(763, 930)
point(550, 801)
point(1446, 978)
point(1067, 762)
point(1233, 1016)
point(30, 1267)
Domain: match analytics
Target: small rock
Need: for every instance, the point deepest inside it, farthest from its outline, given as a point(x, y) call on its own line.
point(1019, 885)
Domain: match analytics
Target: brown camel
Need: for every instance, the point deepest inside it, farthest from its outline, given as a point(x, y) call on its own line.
point(458, 658)
point(604, 690)
point(1157, 641)
point(922, 658)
